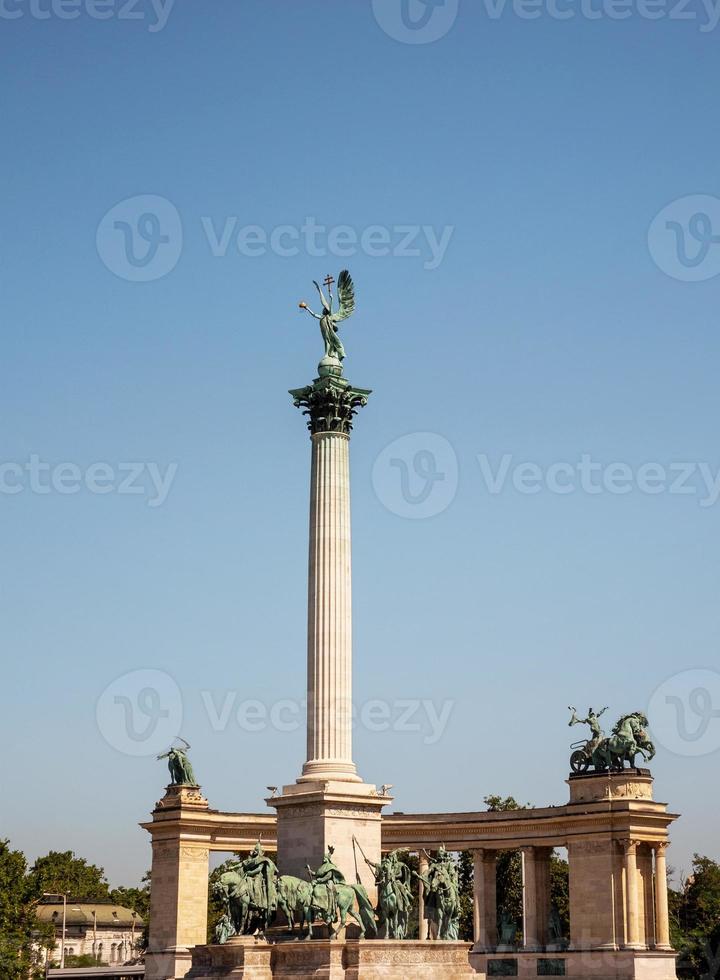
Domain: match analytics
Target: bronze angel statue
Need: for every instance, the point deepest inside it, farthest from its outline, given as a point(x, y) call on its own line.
point(329, 319)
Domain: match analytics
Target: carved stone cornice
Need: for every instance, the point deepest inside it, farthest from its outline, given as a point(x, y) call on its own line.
point(330, 404)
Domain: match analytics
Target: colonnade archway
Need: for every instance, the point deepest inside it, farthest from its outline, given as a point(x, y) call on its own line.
point(614, 832)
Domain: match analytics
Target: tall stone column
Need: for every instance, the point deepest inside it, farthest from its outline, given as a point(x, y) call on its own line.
point(662, 917)
point(329, 804)
point(484, 899)
point(329, 653)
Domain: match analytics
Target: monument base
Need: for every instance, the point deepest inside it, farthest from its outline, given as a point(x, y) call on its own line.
point(593, 964)
point(311, 817)
point(622, 784)
point(378, 959)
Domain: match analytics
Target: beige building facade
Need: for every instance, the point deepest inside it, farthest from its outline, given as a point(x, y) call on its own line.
point(109, 933)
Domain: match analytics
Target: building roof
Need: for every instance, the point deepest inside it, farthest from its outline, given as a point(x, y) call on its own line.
point(87, 913)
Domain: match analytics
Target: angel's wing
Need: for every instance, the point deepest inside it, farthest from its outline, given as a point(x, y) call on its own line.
point(346, 297)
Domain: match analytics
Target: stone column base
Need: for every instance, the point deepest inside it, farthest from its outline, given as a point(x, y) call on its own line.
point(167, 964)
point(589, 964)
point(311, 817)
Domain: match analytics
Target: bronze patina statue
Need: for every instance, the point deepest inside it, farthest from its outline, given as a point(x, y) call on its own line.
point(334, 898)
point(181, 770)
point(329, 319)
point(392, 877)
point(442, 896)
point(248, 892)
point(629, 739)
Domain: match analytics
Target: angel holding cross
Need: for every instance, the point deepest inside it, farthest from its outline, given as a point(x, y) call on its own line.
point(329, 319)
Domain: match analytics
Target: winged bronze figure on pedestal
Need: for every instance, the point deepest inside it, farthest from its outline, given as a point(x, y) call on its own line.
point(329, 319)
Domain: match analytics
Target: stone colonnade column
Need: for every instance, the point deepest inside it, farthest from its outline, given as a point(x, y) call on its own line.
point(484, 899)
point(529, 878)
point(423, 865)
point(536, 896)
point(662, 918)
point(632, 904)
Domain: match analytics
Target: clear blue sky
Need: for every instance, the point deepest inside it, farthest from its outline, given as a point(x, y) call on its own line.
point(546, 332)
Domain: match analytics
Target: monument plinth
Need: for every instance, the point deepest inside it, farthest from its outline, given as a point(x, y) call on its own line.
point(329, 804)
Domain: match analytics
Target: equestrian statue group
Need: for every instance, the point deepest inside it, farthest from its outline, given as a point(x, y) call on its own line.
point(629, 739)
point(252, 891)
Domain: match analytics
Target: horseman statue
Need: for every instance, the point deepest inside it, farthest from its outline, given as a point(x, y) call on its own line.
point(333, 899)
point(248, 893)
point(442, 896)
point(252, 891)
point(395, 897)
point(629, 739)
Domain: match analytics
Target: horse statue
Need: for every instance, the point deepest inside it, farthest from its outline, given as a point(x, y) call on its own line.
point(248, 892)
point(233, 891)
point(392, 878)
point(629, 739)
point(333, 899)
point(295, 901)
point(442, 897)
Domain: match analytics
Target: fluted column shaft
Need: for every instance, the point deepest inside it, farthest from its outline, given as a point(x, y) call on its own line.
point(632, 940)
point(329, 668)
point(662, 917)
point(423, 865)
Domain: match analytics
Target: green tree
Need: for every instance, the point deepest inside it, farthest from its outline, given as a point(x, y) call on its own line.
point(695, 921)
point(60, 872)
point(19, 929)
point(509, 867)
point(138, 900)
point(560, 891)
point(510, 880)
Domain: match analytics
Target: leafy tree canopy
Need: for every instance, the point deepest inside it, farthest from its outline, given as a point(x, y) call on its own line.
point(60, 872)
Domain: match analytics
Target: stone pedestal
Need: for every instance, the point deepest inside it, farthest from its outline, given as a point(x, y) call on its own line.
point(586, 965)
point(626, 784)
point(179, 896)
point(241, 957)
point(334, 960)
point(313, 816)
